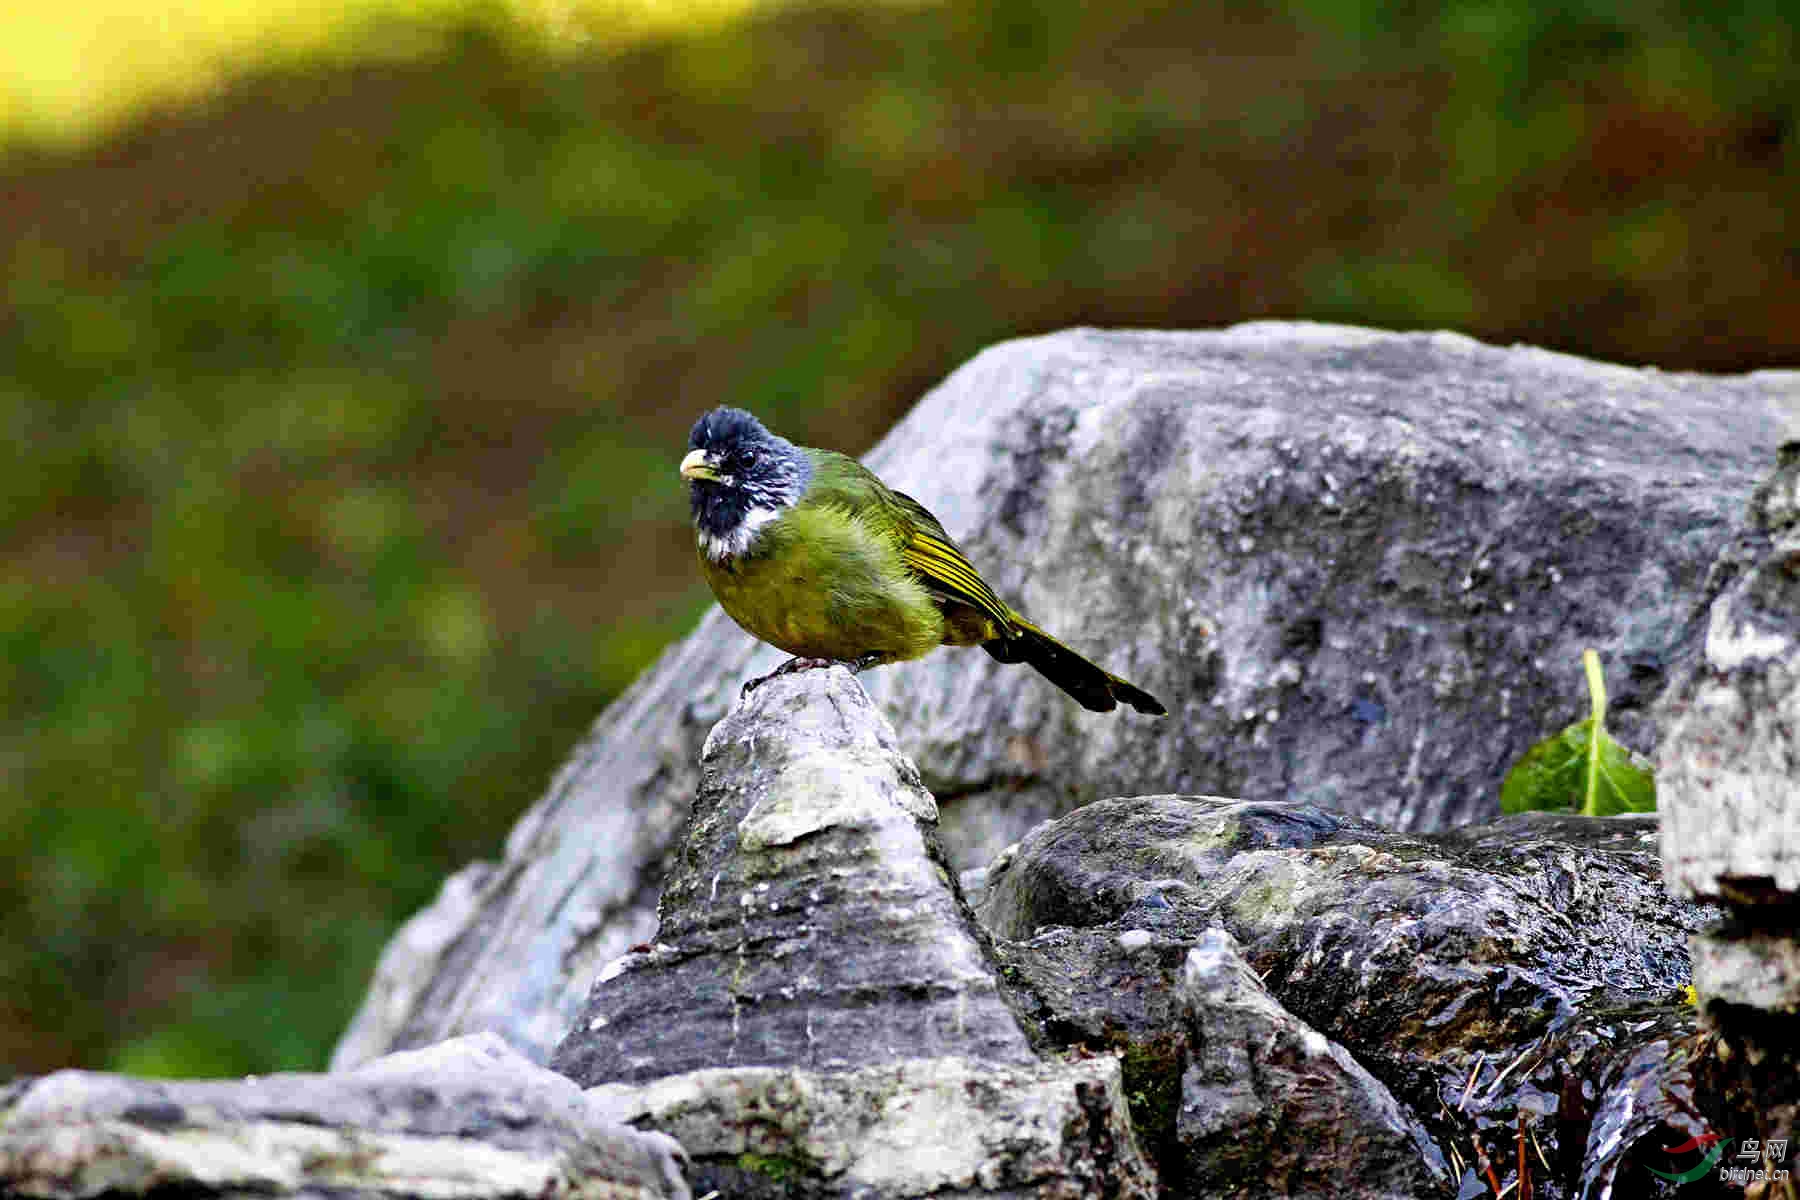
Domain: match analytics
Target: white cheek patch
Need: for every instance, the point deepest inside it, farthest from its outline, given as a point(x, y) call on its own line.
point(741, 538)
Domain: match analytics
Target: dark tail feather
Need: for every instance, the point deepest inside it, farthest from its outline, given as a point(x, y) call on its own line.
point(1092, 687)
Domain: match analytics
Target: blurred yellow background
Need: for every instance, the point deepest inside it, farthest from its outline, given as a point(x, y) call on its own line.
point(70, 72)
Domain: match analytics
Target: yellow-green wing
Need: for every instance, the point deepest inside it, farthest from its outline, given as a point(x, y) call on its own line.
point(926, 550)
point(934, 558)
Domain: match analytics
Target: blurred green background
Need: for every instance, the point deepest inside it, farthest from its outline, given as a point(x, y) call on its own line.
point(344, 399)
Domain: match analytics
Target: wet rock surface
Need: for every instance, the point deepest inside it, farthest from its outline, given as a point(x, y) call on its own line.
point(1360, 567)
point(1270, 1107)
point(1489, 931)
point(1495, 972)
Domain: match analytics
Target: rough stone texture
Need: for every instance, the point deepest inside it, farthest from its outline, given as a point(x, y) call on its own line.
point(1270, 1107)
point(1730, 755)
point(1756, 968)
point(1359, 567)
point(810, 920)
point(927, 1127)
point(1645, 1105)
point(1729, 788)
point(1394, 942)
point(817, 1015)
point(467, 1118)
point(1481, 975)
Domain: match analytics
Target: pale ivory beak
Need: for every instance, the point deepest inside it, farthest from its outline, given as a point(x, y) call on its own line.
point(697, 465)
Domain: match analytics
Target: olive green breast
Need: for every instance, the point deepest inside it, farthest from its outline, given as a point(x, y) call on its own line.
point(822, 582)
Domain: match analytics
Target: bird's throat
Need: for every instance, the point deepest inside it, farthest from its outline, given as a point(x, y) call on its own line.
point(736, 541)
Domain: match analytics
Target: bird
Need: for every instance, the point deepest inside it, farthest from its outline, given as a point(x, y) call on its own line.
point(809, 551)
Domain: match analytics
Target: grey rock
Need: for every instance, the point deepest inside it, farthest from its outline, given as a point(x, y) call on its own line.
point(817, 1015)
point(466, 1118)
point(810, 921)
point(941, 1127)
point(1728, 785)
point(1359, 567)
point(1756, 968)
point(1489, 931)
point(1730, 754)
point(1481, 974)
point(1271, 1107)
point(1646, 1104)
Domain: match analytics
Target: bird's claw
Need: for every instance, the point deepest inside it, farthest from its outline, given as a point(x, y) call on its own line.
point(789, 667)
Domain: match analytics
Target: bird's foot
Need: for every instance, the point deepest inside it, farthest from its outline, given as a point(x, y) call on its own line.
point(794, 666)
point(859, 665)
point(789, 667)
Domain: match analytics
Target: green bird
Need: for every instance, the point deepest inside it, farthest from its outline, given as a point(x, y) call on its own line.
point(810, 552)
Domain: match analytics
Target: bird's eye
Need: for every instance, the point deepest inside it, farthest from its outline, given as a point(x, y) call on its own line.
point(749, 458)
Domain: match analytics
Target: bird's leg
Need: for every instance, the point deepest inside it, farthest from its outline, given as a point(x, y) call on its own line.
point(859, 665)
point(794, 665)
point(787, 668)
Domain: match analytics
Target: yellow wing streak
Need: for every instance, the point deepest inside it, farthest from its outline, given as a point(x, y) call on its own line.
point(930, 554)
point(941, 564)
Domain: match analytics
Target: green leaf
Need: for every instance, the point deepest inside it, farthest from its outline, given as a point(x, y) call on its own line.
point(1581, 768)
